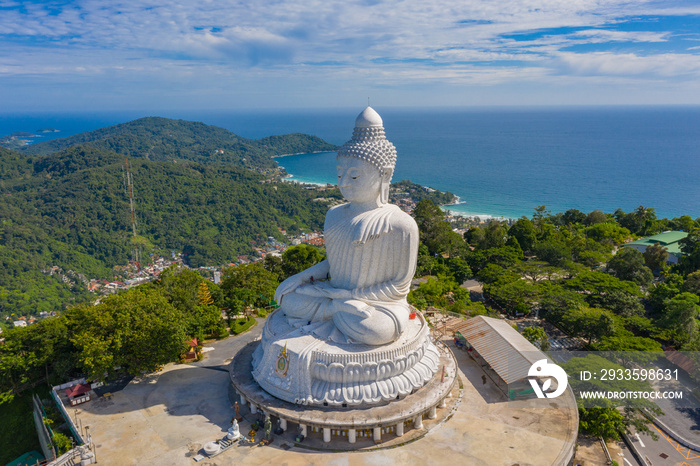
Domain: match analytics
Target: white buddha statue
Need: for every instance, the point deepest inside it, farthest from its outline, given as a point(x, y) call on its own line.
point(342, 334)
point(371, 249)
point(233, 431)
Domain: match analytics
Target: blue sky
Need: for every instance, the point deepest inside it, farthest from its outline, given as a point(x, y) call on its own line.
point(219, 54)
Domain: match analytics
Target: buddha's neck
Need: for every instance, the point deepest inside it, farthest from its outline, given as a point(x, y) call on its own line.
point(362, 207)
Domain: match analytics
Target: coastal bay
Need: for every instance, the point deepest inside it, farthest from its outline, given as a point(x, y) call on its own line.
point(501, 162)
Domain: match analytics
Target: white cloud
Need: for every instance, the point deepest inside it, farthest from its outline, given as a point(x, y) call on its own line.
point(629, 64)
point(393, 42)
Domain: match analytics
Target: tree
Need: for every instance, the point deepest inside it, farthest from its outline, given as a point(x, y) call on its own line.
point(493, 273)
point(684, 223)
point(645, 218)
point(681, 314)
point(690, 247)
point(137, 331)
point(493, 236)
point(274, 264)
point(205, 298)
point(250, 283)
point(538, 218)
point(537, 271)
point(515, 296)
point(436, 292)
point(181, 286)
point(617, 301)
point(557, 301)
point(537, 336)
point(626, 343)
point(610, 233)
point(573, 216)
point(524, 231)
point(435, 231)
point(505, 257)
point(640, 222)
point(692, 283)
point(594, 282)
point(671, 285)
point(597, 216)
point(204, 320)
point(655, 256)
point(460, 269)
point(628, 264)
point(425, 261)
point(590, 323)
point(299, 258)
point(554, 252)
point(602, 422)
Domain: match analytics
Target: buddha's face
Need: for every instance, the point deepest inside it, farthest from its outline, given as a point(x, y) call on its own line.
point(359, 181)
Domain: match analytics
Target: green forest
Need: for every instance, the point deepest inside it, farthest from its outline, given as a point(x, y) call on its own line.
point(572, 270)
point(70, 209)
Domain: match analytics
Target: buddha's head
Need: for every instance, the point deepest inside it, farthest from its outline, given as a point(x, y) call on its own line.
point(366, 162)
point(361, 182)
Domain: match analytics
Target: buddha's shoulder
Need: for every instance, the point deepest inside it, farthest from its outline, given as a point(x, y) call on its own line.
point(336, 211)
point(401, 221)
point(398, 219)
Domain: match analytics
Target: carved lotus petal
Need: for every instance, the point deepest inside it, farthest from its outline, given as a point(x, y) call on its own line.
point(385, 369)
point(370, 371)
point(400, 365)
point(318, 389)
point(353, 373)
point(374, 390)
point(386, 388)
point(353, 393)
point(412, 359)
point(319, 371)
point(335, 372)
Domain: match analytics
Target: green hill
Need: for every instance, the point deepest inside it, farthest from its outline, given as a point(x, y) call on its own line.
point(70, 209)
point(163, 139)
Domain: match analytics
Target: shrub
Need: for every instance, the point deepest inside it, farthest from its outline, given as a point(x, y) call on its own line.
point(241, 325)
point(61, 442)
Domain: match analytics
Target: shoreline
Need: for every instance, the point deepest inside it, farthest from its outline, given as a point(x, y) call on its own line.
point(445, 207)
point(304, 153)
point(457, 201)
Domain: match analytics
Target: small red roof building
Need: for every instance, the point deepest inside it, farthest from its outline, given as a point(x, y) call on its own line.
point(77, 390)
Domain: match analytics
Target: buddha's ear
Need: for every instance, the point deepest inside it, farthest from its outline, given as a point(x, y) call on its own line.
point(387, 173)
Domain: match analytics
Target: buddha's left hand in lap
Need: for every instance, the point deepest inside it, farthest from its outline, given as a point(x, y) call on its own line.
point(324, 290)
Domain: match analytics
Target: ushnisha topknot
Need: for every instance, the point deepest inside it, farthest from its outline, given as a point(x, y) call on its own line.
point(369, 142)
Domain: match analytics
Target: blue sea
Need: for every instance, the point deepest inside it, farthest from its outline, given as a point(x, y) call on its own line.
point(501, 162)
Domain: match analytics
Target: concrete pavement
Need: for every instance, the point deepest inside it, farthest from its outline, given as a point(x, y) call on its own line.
point(166, 417)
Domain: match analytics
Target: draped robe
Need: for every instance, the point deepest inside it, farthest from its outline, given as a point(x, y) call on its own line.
point(373, 255)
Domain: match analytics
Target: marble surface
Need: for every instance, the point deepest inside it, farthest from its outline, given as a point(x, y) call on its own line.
point(356, 298)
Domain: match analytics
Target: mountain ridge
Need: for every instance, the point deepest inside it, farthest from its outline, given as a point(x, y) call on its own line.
point(168, 140)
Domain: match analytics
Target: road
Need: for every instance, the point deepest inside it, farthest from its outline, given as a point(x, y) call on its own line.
point(663, 452)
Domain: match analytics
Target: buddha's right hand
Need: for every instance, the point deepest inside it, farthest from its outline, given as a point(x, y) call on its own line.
point(288, 286)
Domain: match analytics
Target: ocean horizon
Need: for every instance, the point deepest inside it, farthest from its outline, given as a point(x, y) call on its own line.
point(501, 162)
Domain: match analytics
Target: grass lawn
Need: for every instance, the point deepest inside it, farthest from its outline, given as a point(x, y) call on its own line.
point(241, 325)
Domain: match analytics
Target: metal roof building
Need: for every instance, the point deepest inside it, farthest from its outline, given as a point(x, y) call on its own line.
point(667, 239)
point(500, 348)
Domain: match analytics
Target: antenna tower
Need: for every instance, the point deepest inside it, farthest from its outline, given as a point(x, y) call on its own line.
point(129, 187)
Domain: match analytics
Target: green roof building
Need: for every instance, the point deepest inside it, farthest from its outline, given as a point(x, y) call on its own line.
point(668, 239)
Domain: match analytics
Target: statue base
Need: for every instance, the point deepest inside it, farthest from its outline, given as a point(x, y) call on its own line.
point(302, 365)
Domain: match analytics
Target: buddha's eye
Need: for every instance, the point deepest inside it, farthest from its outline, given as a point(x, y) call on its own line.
point(355, 177)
